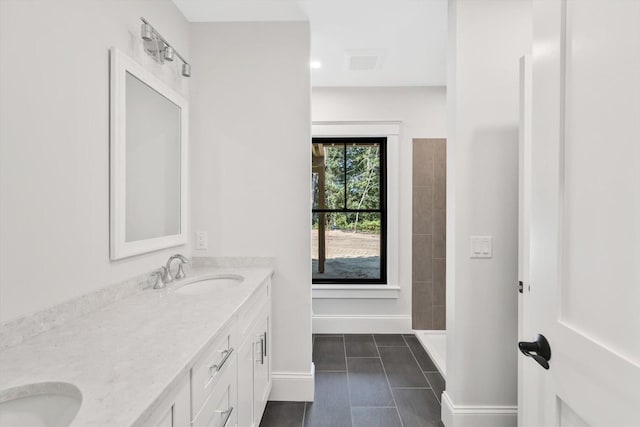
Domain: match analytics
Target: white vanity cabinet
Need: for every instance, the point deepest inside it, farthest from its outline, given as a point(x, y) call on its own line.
point(254, 361)
point(229, 383)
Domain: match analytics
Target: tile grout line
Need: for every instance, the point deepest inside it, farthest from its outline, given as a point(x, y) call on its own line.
point(416, 359)
point(424, 374)
point(375, 407)
point(411, 388)
point(396, 346)
point(346, 365)
point(433, 206)
point(417, 363)
point(304, 413)
point(363, 357)
point(388, 383)
point(388, 345)
point(432, 388)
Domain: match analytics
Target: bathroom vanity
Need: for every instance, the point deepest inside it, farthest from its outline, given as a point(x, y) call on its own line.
point(182, 351)
point(229, 382)
point(192, 352)
point(179, 357)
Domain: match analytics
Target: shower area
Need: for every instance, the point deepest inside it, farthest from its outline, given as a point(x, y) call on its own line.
point(429, 247)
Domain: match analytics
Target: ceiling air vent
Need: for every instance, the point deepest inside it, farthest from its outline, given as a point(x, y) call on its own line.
point(365, 59)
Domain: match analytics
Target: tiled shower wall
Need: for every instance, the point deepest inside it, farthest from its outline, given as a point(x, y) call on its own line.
point(429, 233)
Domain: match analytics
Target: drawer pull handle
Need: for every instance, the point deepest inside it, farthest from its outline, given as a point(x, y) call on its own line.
point(225, 415)
point(265, 343)
point(262, 345)
point(220, 364)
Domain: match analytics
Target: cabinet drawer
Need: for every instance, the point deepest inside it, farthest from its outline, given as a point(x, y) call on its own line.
point(220, 408)
point(211, 367)
point(252, 308)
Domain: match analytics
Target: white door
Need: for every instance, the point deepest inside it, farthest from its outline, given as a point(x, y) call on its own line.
point(584, 290)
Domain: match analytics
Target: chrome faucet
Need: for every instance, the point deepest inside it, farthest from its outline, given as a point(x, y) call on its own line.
point(168, 278)
point(163, 274)
point(160, 275)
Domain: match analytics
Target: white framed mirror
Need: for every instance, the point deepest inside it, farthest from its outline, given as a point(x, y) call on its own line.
point(149, 146)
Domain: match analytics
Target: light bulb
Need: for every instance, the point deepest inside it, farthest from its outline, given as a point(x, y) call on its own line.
point(147, 32)
point(186, 70)
point(168, 53)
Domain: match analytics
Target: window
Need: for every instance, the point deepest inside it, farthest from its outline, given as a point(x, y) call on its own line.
point(348, 178)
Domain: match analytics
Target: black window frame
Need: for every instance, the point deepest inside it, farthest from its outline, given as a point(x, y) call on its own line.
point(382, 206)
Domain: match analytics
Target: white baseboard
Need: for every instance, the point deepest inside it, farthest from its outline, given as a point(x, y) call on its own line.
point(293, 386)
point(477, 416)
point(331, 324)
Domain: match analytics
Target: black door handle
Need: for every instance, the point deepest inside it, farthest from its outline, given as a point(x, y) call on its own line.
point(539, 350)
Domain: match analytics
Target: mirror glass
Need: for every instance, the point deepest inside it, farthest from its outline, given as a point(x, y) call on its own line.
point(152, 163)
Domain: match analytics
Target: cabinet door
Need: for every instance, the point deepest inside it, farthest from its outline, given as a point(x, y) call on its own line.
point(176, 411)
point(262, 371)
point(245, 383)
point(166, 420)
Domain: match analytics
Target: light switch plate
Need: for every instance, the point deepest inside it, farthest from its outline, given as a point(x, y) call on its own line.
point(481, 247)
point(202, 240)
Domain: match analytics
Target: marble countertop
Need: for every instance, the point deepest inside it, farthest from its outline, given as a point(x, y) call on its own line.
point(128, 356)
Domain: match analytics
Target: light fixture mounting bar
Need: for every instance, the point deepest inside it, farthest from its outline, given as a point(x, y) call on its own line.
point(163, 40)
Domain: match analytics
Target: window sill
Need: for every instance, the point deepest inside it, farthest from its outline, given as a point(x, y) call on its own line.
point(355, 291)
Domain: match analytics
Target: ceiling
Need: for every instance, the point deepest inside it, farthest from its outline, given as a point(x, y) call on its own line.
point(397, 42)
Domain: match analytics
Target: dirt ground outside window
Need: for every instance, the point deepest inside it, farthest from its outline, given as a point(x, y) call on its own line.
point(348, 255)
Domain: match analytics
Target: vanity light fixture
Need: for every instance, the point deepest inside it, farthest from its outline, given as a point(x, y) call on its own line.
point(147, 32)
point(159, 48)
point(169, 53)
point(186, 70)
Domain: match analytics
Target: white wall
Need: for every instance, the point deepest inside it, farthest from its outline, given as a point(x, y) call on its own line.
point(422, 111)
point(251, 131)
point(54, 143)
point(486, 38)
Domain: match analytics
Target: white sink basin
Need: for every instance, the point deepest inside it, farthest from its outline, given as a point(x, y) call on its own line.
point(210, 284)
point(39, 405)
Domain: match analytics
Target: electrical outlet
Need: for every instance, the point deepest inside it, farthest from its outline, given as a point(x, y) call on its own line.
point(202, 240)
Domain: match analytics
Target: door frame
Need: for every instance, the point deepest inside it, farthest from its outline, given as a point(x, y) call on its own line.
point(524, 212)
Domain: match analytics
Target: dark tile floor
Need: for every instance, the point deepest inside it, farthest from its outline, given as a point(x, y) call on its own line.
point(366, 381)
